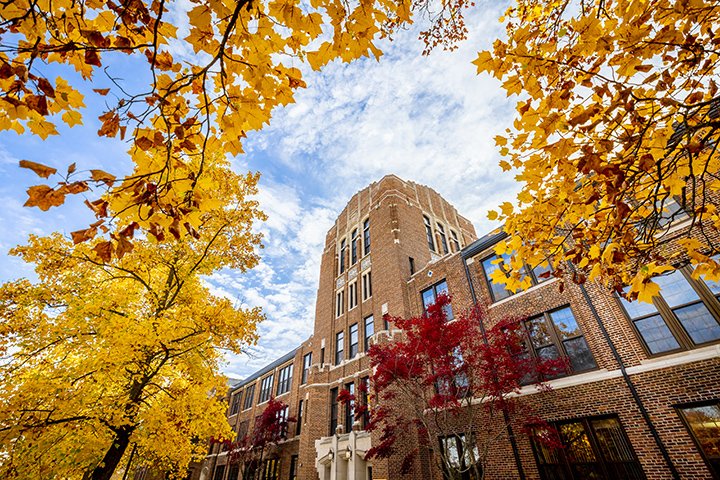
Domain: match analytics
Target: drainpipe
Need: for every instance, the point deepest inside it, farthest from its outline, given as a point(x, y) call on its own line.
point(506, 416)
point(629, 383)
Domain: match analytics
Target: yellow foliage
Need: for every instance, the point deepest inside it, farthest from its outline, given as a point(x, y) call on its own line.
point(124, 349)
point(617, 123)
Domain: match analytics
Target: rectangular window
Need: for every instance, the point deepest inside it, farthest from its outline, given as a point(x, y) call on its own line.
point(461, 459)
point(366, 236)
point(269, 469)
point(235, 403)
point(429, 233)
point(495, 262)
point(703, 421)
point(429, 295)
point(249, 394)
point(454, 241)
point(349, 408)
point(265, 389)
point(298, 425)
point(352, 295)
point(593, 448)
point(343, 247)
point(219, 472)
point(339, 347)
point(556, 334)
point(234, 472)
point(443, 238)
point(681, 316)
point(364, 397)
point(411, 260)
point(354, 340)
point(307, 361)
point(354, 247)
point(339, 303)
point(322, 356)
point(282, 419)
point(284, 379)
point(333, 410)
point(367, 285)
point(293, 467)
point(369, 331)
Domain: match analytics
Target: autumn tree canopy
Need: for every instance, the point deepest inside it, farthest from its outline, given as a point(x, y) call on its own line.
point(450, 382)
point(616, 136)
point(112, 349)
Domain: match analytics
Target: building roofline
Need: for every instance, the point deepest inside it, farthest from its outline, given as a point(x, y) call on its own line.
point(266, 369)
point(483, 243)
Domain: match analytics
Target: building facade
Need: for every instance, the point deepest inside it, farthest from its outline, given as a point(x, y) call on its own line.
point(640, 397)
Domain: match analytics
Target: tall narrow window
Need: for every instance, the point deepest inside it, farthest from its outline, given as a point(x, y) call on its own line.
point(349, 408)
point(429, 296)
point(593, 448)
point(322, 356)
point(249, 394)
point(307, 361)
point(333, 410)
point(284, 379)
point(293, 467)
point(364, 395)
point(369, 331)
point(352, 295)
point(343, 247)
point(703, 421)
point(298, 426)
point(366, 236)
point(367, 285)
point(354, 247)
point(429, 234)
point(339, 347)
point(454, 241)
point(443, 238)
point(339, 303)
point(235, 406)
point(354, 340)
point(265, 389)
point(219, 472)
point(411, 260)
point(282, 419)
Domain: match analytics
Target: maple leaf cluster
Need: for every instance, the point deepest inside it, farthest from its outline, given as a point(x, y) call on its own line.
point(615, 140)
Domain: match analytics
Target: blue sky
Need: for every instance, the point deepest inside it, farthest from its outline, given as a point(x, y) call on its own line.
point(427, 119)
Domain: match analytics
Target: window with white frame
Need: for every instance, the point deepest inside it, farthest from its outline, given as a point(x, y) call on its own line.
point(429, 233)
point(443, 238)
point(339, 303)
point(354, 247)
point(343, 248)
point(284, 379)
point(454, 241)
point(352, 295)
point(265, 389)
point(366, 236)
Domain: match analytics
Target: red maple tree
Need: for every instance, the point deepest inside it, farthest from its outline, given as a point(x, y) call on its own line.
point(451, 384)
point(250, 449)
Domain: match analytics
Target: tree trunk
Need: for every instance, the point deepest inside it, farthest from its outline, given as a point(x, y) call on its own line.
point(114, 454)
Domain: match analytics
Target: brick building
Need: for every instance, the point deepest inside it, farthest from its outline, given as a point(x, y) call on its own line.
point(640, 399)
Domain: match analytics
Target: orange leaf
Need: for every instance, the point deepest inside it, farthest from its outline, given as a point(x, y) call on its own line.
point(80, 236)
point(123, 247)
point(44, 197)
point(102, 176)
point(104, 251)
point(41, 170)
point(102, 91)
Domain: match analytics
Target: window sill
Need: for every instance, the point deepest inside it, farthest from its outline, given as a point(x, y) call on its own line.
point(516, 295)
point(678, 358)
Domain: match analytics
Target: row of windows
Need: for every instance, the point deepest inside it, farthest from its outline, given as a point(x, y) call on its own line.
point(368, 326)
point(354, 246)
point(366, 281)
point(439, 230)
point(284, 383)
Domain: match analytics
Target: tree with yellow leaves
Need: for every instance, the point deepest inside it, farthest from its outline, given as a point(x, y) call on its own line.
point(116, 349)
point(242, 67)
point(616, 137)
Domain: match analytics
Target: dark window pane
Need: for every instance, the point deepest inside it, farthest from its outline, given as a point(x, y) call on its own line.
point(704, 422)
point(577, 444)
point(614, 447)
point(580, 357)
point(698, 323)
point(675, 289)
point(538, 331)
point(565, 323)
point(656, 334)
